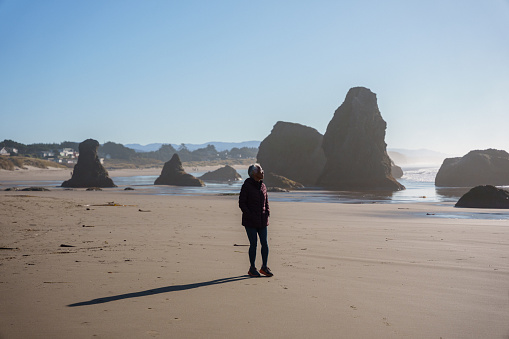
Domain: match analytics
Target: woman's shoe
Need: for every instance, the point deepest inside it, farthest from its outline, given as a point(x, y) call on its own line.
point(266, 271)
point(253, 272)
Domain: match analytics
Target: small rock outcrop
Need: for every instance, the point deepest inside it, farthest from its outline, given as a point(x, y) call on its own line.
point(486, 196)
point(89, 172)
point(354, 146)
point(173, 174)
point(277, 190)
point(479, 167)
point(274, 181)
point(293, 151)
point(40, 189)
point(396, 171)
point(223, 174)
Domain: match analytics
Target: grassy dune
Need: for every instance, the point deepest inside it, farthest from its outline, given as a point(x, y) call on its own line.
point(10, 163)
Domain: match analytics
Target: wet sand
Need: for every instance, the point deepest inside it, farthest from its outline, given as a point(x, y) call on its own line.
point(147, 266)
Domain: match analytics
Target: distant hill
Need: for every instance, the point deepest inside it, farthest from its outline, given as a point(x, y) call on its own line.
point(220, 146)
point(402, 156)
point(144, 148)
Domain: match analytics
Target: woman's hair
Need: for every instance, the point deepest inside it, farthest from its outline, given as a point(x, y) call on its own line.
point(253, 169)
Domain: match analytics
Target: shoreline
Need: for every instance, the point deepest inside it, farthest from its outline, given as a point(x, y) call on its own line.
point(38, 174)
point(176, 266)
point(143, 181)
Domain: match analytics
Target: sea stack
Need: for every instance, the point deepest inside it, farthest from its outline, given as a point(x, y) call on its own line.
point(293, 151)
point(355, 148)
point(89, 172)
point(223, 174)
point(173, 174)
point(479, 167)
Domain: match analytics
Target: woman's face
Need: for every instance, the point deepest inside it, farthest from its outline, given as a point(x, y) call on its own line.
point(259, 174)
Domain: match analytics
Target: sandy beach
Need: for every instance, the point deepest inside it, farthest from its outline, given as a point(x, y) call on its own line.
point(149, 266)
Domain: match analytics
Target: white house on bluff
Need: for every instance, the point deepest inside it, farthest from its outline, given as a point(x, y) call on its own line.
point(68, 152)
point(8, 151)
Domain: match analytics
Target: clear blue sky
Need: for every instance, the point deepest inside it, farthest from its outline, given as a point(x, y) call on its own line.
point(197, 71)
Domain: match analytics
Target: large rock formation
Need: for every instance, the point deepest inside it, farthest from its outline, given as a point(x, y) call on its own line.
point(173, 174)
point(223, 174)
point(89, 172)
point(293, 151)
point(480, 167)
point(484, 197)
point(354, 146)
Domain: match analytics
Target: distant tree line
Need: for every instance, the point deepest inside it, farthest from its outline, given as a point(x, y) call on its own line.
point(33, 150)
point(118, 151)
point(165, 152)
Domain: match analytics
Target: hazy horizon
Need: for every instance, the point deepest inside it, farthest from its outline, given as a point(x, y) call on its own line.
point(196, 145)
point(190, 72)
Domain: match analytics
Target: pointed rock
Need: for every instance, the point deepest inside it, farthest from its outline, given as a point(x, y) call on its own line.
point(173, 174)
point(355, 148)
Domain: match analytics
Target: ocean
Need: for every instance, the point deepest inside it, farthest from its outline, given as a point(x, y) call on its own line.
point(418, 180)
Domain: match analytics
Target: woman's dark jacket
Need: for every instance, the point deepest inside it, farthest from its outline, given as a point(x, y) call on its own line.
point(254, 204)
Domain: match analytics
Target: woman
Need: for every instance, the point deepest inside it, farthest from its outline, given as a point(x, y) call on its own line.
point(254, 203)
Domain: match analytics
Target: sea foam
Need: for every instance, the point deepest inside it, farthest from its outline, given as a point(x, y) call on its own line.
point(420, 174)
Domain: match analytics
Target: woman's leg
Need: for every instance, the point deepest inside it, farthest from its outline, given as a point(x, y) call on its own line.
point(262, 232)
point(252, 236)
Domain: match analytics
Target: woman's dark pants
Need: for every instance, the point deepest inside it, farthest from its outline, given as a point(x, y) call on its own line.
point(252, 233)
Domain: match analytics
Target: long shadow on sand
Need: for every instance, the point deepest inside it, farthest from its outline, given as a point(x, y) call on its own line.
point(159, 290)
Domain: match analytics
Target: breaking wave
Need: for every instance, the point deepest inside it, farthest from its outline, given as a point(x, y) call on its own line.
point(419, 174)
